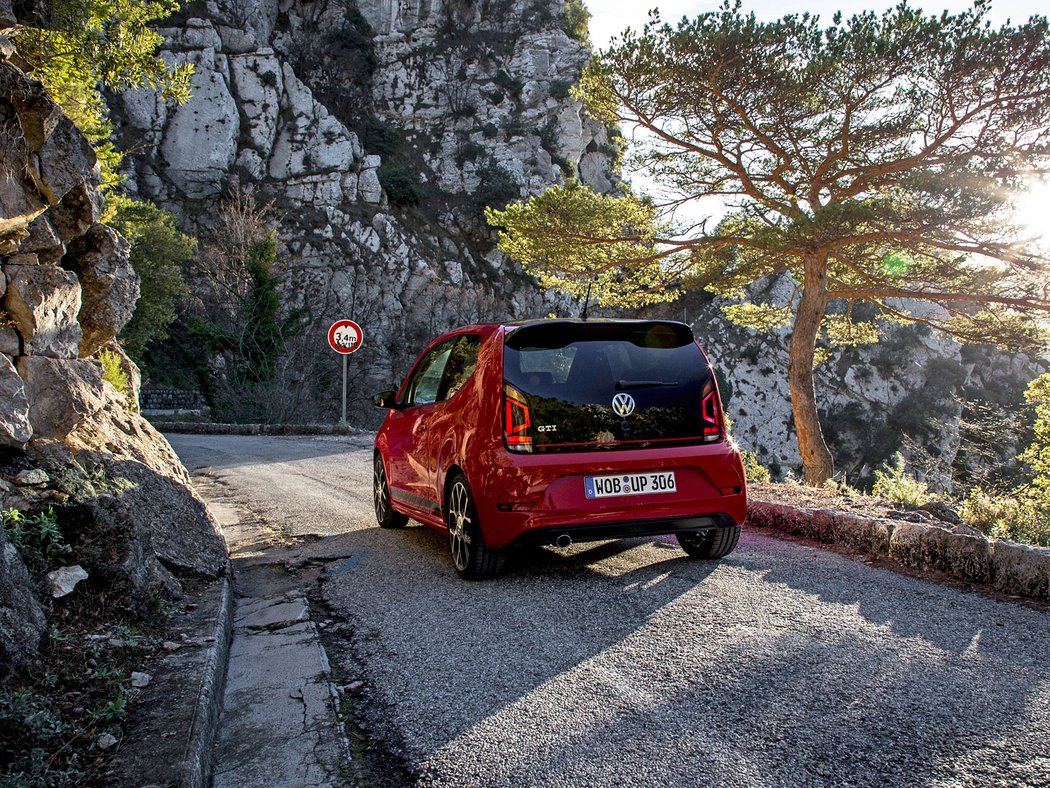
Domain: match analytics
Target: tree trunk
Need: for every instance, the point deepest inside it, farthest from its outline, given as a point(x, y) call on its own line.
point(816, 459)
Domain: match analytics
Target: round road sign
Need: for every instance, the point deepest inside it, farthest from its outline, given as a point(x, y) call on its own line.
point(345, 336)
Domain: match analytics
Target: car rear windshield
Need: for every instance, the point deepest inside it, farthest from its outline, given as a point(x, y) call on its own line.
point(591, 386)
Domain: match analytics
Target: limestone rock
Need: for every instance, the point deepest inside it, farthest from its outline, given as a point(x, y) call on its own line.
point(200, 143)
point(140, 680)
point(15, 429)
point(62, 162)
point(259, 84)
point(63, 581)
point(160, 513)
point(109, 286)
point(80, 208)
point(43, 301)
point(22, 619)
point(7, 15)
point(61, 392)
point(34, 477)
point(43, 241)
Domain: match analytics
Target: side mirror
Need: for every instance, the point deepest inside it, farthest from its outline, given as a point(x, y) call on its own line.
point(385, 399)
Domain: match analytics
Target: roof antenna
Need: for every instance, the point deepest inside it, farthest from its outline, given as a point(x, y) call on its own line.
point(587, 298)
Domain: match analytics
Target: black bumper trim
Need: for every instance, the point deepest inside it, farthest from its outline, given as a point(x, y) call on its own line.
point(622, 530)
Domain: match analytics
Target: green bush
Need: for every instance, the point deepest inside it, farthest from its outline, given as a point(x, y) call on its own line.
point(1012, 517)
point(158, 252)
point(401, 183)
point(754, 471)
point(894, 484)
point(469, 151)
point(113, 371)
point(38, 538)
point(575, 20)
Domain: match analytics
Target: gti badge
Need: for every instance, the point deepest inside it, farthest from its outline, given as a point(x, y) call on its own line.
point(623, 405)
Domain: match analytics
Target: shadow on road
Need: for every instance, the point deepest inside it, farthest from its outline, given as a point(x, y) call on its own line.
point(767, 665)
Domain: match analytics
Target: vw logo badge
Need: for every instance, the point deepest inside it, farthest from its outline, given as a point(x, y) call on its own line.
point(623, 405)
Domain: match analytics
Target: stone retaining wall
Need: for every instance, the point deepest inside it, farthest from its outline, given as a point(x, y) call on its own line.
point(958, 551)
point(171, 399)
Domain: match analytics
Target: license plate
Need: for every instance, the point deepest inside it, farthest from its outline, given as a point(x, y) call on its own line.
point(629, 484)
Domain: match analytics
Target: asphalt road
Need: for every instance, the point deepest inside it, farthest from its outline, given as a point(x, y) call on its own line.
point(624, 663)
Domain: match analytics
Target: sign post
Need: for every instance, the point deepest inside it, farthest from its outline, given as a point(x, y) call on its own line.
point(345, 337)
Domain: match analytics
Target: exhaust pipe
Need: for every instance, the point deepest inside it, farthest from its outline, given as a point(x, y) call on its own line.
point(563, 541)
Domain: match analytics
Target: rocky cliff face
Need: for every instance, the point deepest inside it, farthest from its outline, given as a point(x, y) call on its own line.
point(382, 128)
point(69, 439)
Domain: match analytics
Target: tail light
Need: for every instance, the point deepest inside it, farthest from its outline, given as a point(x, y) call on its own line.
point(517, 420)
point(711, 412)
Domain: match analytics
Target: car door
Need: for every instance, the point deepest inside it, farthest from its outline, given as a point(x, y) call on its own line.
point(450, 416)
point(408, 472)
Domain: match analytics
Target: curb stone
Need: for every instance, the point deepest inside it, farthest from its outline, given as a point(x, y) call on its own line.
point(168, 737)
point(1017, 569)
point(201, 737)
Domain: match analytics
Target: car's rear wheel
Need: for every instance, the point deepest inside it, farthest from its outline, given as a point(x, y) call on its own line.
point(472, 559)
point(385, 515)
point(711, 544)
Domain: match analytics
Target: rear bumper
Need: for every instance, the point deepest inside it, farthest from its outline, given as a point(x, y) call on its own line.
point(621, 530)
point(536, 498)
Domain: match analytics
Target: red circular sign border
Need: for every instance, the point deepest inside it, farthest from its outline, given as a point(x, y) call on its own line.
point(342, 350)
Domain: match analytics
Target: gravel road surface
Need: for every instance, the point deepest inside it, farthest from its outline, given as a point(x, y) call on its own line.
point(624, 663)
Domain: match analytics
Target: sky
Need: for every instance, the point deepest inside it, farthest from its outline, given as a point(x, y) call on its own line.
point(610, 17)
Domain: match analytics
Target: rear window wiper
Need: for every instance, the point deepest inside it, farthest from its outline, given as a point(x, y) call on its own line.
point(644, 384)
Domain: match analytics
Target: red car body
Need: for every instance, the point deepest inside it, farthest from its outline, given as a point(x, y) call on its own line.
point(541, 496)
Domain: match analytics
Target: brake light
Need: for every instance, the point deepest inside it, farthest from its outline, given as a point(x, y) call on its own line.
point(710, 412)
point(516, 421)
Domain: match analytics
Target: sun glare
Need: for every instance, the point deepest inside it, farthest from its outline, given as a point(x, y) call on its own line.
point(1033, 210)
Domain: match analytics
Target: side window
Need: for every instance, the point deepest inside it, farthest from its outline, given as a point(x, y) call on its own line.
point(461, 365)
point(423, 387)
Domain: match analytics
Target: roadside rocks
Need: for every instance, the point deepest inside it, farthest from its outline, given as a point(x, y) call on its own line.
point(955, 550)
point(71, 441)
point(15, 428)
point(62, 393)
point(43, 302)
point(63, 581)
point(108, 284)
point(22, 619)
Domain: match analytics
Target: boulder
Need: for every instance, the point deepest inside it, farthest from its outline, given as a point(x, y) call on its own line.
point(161, 502)
point(43, 301)
point(21, 617)
point(109, 286)
point(7, 15)
point(66, 159)
point(43, 241)
point(1021, 569)
point(122, 554)
point(63, 581)
point(61, 392)
point(15, 429)
point(80, 208)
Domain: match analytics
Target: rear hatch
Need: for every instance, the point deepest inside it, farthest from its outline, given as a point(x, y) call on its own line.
point(599, 386)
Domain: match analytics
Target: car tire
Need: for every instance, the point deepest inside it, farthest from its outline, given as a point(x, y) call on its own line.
point(471, 558)
point(711, 544)
point(385, 514)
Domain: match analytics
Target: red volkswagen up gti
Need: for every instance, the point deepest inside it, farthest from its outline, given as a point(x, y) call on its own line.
point(559, 431)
